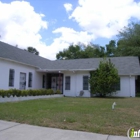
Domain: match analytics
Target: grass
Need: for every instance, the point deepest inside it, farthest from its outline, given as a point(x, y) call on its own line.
point(83, 114)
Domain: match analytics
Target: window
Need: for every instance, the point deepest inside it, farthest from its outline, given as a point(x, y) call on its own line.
point(30, 79)
point(11, 77)
point(67, 83)
point(117, 86)
point(85, 82)
point(43, 81)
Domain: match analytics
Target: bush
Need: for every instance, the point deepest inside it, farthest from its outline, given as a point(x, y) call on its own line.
point(2, 93)
point(50, 92)
point(30, 92)
point(104, 80)
point(58, 91)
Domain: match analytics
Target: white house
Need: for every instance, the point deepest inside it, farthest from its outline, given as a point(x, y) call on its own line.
point(23, 70)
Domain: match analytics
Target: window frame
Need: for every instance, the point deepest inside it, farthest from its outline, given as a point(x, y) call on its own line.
point(85, 87)
point(11, 77)
point(30, 79)
point(43, 80)
point(118, 85)
point(67, 83)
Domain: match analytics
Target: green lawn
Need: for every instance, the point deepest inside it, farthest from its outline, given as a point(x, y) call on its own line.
point(84, 114)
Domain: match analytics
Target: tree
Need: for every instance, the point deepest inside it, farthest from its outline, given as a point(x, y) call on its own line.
point(129, 41)
point(103, 81)
point(81, 51)
point(32, 50)
point(111, 48)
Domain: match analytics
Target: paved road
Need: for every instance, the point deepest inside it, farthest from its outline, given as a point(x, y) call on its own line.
point(17, 131)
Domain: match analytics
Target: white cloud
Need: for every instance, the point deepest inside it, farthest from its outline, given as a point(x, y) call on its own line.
point(104, 18)
point(69, 35)
point(20, 25)
point(68, 7)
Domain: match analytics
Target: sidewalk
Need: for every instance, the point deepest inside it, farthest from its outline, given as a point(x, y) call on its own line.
point(17, 131)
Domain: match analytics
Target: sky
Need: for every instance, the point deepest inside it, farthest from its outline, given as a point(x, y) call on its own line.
point(52, 25)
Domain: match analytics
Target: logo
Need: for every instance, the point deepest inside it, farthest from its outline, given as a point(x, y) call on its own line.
point(133, 133)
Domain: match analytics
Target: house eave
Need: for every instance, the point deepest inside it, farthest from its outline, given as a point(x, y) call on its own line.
point(64, 70)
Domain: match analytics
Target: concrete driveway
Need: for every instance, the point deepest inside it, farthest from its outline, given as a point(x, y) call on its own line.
point(17, 131)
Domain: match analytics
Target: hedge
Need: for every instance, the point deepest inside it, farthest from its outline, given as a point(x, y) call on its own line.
point(30, 92)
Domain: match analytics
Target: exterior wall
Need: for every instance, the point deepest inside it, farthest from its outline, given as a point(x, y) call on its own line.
point(5, 66)
point(76, 84)
point(127, 87)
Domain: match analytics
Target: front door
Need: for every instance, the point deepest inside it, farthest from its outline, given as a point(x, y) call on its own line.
point(22, 81)
point(56, 83)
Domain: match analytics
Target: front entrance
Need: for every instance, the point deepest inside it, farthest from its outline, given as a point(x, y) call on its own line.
point(55, 82)
point(22, 81)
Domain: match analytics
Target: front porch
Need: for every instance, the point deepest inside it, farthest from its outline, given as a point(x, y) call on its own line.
point(54, 81)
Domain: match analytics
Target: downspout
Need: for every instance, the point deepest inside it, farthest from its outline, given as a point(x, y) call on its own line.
point(130, 84)
point(75, 82)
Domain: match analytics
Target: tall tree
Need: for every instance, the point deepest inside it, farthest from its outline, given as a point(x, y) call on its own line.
point(81, 51)
point(32, 50)
point(111, 48)
point(129, 41)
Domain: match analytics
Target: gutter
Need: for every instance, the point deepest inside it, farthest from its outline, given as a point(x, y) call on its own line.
point(50, 70)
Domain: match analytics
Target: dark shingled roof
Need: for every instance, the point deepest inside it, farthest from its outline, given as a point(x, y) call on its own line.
point(10, 52)
point(125, 65)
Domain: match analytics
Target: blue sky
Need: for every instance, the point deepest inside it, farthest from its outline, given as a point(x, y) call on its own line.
point(52, 25)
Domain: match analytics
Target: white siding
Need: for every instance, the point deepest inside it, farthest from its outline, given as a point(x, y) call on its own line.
point(76, 84)
point(5, 66)
point(127, 87)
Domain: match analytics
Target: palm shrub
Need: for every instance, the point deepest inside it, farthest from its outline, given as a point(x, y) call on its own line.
point(103, 80)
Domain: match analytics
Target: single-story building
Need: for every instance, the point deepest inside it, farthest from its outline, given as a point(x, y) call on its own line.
point(23, 70)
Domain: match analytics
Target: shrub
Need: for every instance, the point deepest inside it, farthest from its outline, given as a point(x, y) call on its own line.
point(30, 92)
point(50, 91)
point(24, 92)
point(44, 91)
point(2, 94)
point(58, 91)
point(104, 80)
point(18, 93)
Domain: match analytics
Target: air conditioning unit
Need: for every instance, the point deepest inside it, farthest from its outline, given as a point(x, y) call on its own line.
point(81, 93)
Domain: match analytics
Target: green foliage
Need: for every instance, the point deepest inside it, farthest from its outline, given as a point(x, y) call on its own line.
point(2, 93)
point(30, 92)
point(58, 91)
point(32, 50)
point(50, 91)
point(104, 79)
point(81, 51)
point(111, 48)
point(129, 41)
